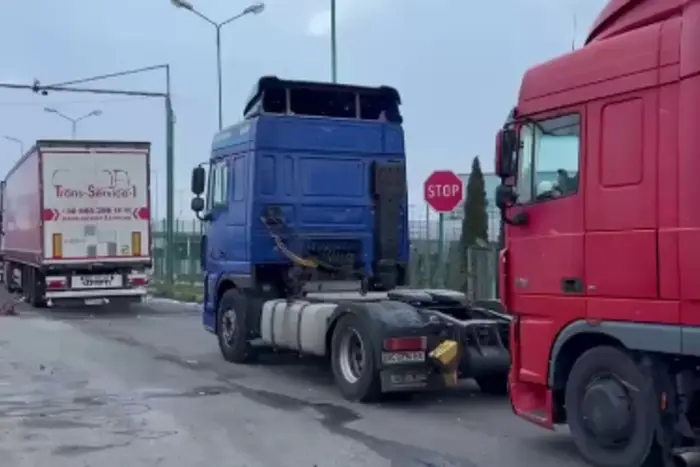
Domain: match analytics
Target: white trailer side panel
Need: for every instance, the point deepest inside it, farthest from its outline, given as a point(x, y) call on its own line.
point(95, 205)
point(22, 211)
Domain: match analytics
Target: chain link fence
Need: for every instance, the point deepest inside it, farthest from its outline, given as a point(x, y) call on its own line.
point(473, 270)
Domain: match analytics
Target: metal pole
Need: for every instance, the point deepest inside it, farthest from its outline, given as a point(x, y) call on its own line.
point(170, 184)
point(218, 75)
point(74, 128)
point(441, 250)
point(156, 197)
point(429, 249)
point(334, 63)
point(18, 141)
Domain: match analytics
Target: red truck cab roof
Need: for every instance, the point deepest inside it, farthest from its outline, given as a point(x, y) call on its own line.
point(619, 16)
point(570, 78)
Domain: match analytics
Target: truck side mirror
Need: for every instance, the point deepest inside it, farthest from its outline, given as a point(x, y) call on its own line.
point(506, 148)
point(507, 197)
point(197, 204)
point(199, 177)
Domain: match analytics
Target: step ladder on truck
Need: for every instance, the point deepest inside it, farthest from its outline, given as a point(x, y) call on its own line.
point(306, 247)
point(599, 164)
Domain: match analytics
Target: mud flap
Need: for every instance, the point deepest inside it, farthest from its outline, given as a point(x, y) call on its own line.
point(667, 411)
point(388, 194)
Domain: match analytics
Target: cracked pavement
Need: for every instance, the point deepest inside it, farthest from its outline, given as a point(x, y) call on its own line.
point(147, 386)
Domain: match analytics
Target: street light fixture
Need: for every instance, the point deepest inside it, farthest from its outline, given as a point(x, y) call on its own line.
point(73, 121)
point(18, 141)
point(254, 9)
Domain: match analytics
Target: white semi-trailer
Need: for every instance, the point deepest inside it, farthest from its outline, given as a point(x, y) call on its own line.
point(76, 223)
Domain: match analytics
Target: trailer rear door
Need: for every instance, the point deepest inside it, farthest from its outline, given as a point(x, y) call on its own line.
point(96, 204)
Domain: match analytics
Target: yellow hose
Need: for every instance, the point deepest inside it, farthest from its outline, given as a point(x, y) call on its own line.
point(289, 254)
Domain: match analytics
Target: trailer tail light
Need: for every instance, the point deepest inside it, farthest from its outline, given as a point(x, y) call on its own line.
point(56, 283)
point(136, 243)
point(138, 280)
point(405, 344)
point(57, 241)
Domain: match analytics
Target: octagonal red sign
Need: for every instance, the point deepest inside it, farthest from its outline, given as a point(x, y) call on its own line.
point(443, 191)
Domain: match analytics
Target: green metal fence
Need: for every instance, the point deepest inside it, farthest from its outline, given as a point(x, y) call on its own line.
point(473, 271)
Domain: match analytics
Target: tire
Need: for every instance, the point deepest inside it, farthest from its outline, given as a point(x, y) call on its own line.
point(233, 341)
point(609, 367)
point(366, 385)
point(496, 385)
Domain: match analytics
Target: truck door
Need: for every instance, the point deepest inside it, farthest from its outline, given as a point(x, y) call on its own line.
point(545, 261)
point(214, 246)
point(622, 241)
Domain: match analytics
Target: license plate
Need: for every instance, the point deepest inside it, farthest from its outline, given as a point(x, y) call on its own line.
point(98, 281)
point(394, 358)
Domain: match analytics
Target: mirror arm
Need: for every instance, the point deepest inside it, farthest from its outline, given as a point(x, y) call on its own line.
point(206, 217)
point(518, 220)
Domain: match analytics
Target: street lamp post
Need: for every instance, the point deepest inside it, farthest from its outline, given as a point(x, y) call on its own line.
point(155, 196)
point(334, 62)
point(73, 121)
point(253, 9)
point(18, 141)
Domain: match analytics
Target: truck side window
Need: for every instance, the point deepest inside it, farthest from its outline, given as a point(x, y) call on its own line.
point(211, 182)
point(549, 159)
point(218, 184)
point(524, 182)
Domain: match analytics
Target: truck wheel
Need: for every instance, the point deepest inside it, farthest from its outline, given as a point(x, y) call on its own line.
point(610, 409)
point(353, 359)
point(496, 385)
point(232, 330)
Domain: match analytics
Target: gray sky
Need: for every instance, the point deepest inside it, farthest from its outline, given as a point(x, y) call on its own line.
point(458, 67)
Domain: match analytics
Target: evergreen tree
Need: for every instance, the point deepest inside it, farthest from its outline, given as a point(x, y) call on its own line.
point(475, 222)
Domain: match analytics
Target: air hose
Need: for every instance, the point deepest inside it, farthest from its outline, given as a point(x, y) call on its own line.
point(311, 263)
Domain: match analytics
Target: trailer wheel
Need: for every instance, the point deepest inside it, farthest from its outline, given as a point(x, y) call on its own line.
point(231, 328)
point(353, 359)
point(611, 408)
point(496, 385)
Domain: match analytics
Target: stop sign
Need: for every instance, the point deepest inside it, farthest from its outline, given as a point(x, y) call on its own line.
point(443, 191)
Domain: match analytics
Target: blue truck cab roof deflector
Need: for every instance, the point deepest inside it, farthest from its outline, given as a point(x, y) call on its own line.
point(310, 152)
point(276, 96)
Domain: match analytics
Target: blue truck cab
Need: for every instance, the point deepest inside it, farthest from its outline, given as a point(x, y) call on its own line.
point(306, 247)
point(313, 171)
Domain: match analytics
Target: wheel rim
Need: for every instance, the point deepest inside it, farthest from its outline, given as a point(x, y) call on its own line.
point(352, 356)
point(607, 412)
point(228, 326)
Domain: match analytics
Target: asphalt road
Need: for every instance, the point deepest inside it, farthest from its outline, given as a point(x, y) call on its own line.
point(147, 387)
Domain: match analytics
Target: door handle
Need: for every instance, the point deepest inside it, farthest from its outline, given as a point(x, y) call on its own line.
point(572, 286)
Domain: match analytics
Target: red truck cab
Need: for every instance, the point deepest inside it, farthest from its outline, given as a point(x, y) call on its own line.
point(600, 194)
